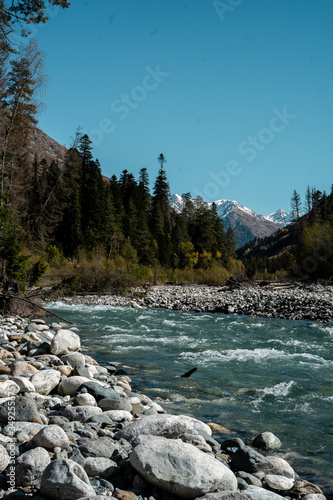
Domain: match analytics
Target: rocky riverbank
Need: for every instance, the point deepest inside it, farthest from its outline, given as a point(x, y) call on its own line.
point(312, 303)
point(72, 429)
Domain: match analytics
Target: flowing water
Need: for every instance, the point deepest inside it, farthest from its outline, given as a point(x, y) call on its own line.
point(253, 374)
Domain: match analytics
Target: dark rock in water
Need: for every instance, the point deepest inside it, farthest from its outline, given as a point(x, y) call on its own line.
point(189, 373)
point(265, 441)
point(249, 460)
point(232, 445)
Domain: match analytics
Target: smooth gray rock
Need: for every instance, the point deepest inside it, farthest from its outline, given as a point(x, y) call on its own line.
point(256, 493)
point(95, 466)
point(8, 388)
point(65, 342)
point(81, 413)
point(74, 359)
point(30, 466)
point(224, 495)
point(69, 386)
point(265, 441)
point(25, 427)
point(45, 381)
point(24, 384)
point(64, 479)
point(115, 404)
point(98, 391)
point(169, 426)
point(280, 483)
point(281, 467)
point(180, 468)
point(51, 437)
point(98, 447)
point(85, 399)
point(4, 458)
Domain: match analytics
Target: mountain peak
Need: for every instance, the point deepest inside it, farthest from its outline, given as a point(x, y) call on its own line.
point(246, 223)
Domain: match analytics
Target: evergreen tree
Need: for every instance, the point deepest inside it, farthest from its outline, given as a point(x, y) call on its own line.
point(161, 215)
point(296, 204)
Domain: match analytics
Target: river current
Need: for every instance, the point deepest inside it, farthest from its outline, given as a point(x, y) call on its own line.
point(253, 375)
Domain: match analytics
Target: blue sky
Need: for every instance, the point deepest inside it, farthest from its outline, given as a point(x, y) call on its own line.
point(237, 94)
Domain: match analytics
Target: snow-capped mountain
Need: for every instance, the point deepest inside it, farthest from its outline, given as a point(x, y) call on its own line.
point(281, 217)
point(246, 223)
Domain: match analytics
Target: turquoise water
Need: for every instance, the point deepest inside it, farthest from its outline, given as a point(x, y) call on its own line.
point(253, 374)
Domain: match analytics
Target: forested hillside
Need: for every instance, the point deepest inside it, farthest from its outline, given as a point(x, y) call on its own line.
point(303, 249)
point(60, 216)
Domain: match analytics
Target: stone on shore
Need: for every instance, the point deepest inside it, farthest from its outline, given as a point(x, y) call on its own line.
point(4, 458)
point(30, 466)
point(280, 483)
point(180, 468)
point(98, 447)
point(25, 411)
point(50, 437)
point(24, 384)
point(64, 479)
point(96, 466)
point(74, 359)
point(45, 380)
point(169, 426)
point(69, 386)
point(65, 342)
point(257, 493)
point(80, 413)
point(8, 388)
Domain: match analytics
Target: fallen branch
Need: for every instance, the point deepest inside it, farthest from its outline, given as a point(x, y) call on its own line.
point(34, 305)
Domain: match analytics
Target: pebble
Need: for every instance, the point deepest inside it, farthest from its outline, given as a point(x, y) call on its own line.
point(78, 437)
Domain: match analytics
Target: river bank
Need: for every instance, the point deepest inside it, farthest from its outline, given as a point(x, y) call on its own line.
point(79, 431)
point(313, 303)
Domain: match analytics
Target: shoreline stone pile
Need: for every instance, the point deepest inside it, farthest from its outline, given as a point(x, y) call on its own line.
point(314, 304)
point(72, 429)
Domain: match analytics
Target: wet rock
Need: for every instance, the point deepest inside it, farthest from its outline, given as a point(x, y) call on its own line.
point(265, 441)
point(180, 468)
point(303, 487)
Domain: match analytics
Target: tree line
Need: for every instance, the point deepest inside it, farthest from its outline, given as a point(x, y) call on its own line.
point(302, 250)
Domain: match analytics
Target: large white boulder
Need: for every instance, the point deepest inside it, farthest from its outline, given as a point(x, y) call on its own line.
point(180, 468)
point(65, 342)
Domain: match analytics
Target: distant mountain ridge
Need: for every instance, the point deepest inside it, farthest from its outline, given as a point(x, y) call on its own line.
point(246, 223)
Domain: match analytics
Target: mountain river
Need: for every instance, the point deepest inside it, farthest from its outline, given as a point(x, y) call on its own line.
point(253, 375)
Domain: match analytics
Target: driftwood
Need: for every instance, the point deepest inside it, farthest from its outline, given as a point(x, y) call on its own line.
point(27, 300)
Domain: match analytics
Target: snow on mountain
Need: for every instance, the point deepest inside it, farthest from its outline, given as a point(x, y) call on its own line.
point(246, 223)
point(281, 217)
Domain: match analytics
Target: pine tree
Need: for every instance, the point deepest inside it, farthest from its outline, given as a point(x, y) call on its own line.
point(296, 204)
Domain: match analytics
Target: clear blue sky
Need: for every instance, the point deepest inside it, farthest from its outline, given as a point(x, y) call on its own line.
point(237, 94)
